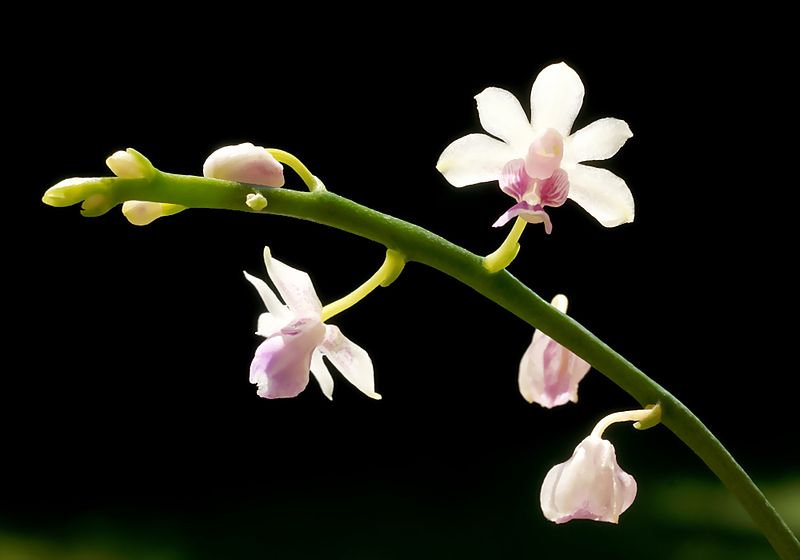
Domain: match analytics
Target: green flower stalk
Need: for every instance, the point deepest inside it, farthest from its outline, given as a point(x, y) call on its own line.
point(407, 242)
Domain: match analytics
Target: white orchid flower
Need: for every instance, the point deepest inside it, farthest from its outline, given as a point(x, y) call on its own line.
point(590, 485)
point(297, 339)
point(539, 162)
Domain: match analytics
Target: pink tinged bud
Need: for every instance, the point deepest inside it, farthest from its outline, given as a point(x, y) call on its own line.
point(282, 362)
point(591, 485)
point(245, 163)
point(549, 374)
point(544, 155)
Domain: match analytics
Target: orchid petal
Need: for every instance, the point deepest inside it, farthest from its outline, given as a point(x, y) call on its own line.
point(514, 181)
point(281, 363)
point(590, 485)
point(321, 374)
point(502, 115)
point(556, 98)
point(350, 359)
point(294, 286)
point(271, 301)
point(602, 194)
point(271, 323)
point(597, 141)
point(554, 190)
point(475, 158)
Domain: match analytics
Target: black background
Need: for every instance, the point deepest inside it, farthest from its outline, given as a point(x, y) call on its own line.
point(125, 395)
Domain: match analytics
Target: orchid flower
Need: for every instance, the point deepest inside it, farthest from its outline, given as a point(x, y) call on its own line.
point(538, 162)
point(297, 339)
point(590, 485)
point(549, 373)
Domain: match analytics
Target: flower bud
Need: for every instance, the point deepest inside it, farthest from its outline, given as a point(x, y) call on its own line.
point(130, 164)
point(141, 213)
point(591, 485)
point(245, 163)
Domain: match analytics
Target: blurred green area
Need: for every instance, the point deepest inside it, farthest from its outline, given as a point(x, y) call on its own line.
point(674, 517)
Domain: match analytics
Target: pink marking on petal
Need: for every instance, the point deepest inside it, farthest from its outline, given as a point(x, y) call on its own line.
point(553, 191)
point(557, 382)
point(544, 155)
point(513, 179)
point(563, 371)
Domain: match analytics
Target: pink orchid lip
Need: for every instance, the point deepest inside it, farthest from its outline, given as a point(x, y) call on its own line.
point(531, 194)
point(531, 213)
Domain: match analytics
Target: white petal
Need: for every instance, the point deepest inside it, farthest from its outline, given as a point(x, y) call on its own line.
point(475, 158)
point(350, 359)
point(501, 115)
point(271, 323)
point(294, 286)
point(556, 98)
point(321, 374)
point(599, 140)
point(601, 193)
point(269, 298)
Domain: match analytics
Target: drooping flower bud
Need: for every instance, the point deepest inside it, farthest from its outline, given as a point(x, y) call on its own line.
point(549, 373)
point(591, 485)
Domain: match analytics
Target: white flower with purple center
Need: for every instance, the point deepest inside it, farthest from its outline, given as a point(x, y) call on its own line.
point(297, 339)
point(538, 162)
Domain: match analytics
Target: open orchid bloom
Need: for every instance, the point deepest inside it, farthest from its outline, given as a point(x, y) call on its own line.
point(549, 373)
point(538, 162)
point(297, 339)
point(591, 485)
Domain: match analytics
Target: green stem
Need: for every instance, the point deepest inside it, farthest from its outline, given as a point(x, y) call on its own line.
point(298, 167)
point(388, 272)
point(507, 251)
point(419, 245)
